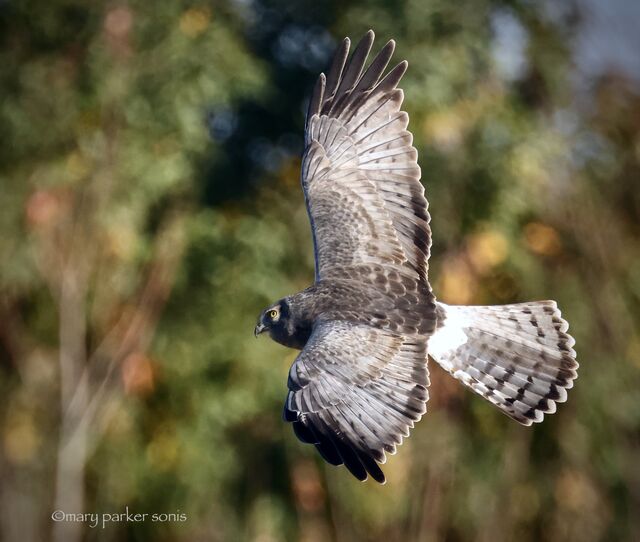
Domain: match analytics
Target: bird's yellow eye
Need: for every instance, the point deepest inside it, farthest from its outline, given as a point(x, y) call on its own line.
point(273, 313)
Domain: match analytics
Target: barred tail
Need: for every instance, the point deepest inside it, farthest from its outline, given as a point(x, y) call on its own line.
point(519, 357)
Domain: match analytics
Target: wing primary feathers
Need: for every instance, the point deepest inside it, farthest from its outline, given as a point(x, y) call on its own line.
point(372, 467)
point(329, 453)
point(354, 68)
point(351, 459)
point(392, 79)
point(323, 441)
point(376, 68)
point(359, 122)
point(335, 72)
point(316, 97)
point(304, 433)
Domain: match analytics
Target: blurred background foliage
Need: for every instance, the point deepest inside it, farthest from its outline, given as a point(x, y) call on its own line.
point(150, 208)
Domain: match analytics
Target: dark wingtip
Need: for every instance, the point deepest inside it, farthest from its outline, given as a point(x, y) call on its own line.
point(392, 79)
point(372, 467)
point(337, 65)
point(315, 103)
point(378, 475)
point(345, 46)
point(351, 459)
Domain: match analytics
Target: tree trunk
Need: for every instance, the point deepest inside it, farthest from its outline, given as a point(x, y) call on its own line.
point(72, 440)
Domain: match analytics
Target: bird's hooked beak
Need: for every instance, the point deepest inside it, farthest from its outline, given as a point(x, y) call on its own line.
point(259, 329)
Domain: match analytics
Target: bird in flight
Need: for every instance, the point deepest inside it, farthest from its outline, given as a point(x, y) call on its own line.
point(369, 321)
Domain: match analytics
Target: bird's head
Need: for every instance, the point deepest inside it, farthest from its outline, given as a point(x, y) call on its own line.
point(284, 323)
point(273, 319)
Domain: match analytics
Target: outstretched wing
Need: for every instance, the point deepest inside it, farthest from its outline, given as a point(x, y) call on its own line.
point(355, 391)
point(360, 174)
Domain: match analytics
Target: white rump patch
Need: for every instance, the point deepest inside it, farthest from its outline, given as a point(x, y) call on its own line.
point(449, 337)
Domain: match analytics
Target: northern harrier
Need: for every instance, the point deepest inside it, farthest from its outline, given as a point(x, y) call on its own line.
point(366, 325)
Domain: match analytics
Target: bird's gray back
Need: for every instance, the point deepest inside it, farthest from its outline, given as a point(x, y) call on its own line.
point(374, 295)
